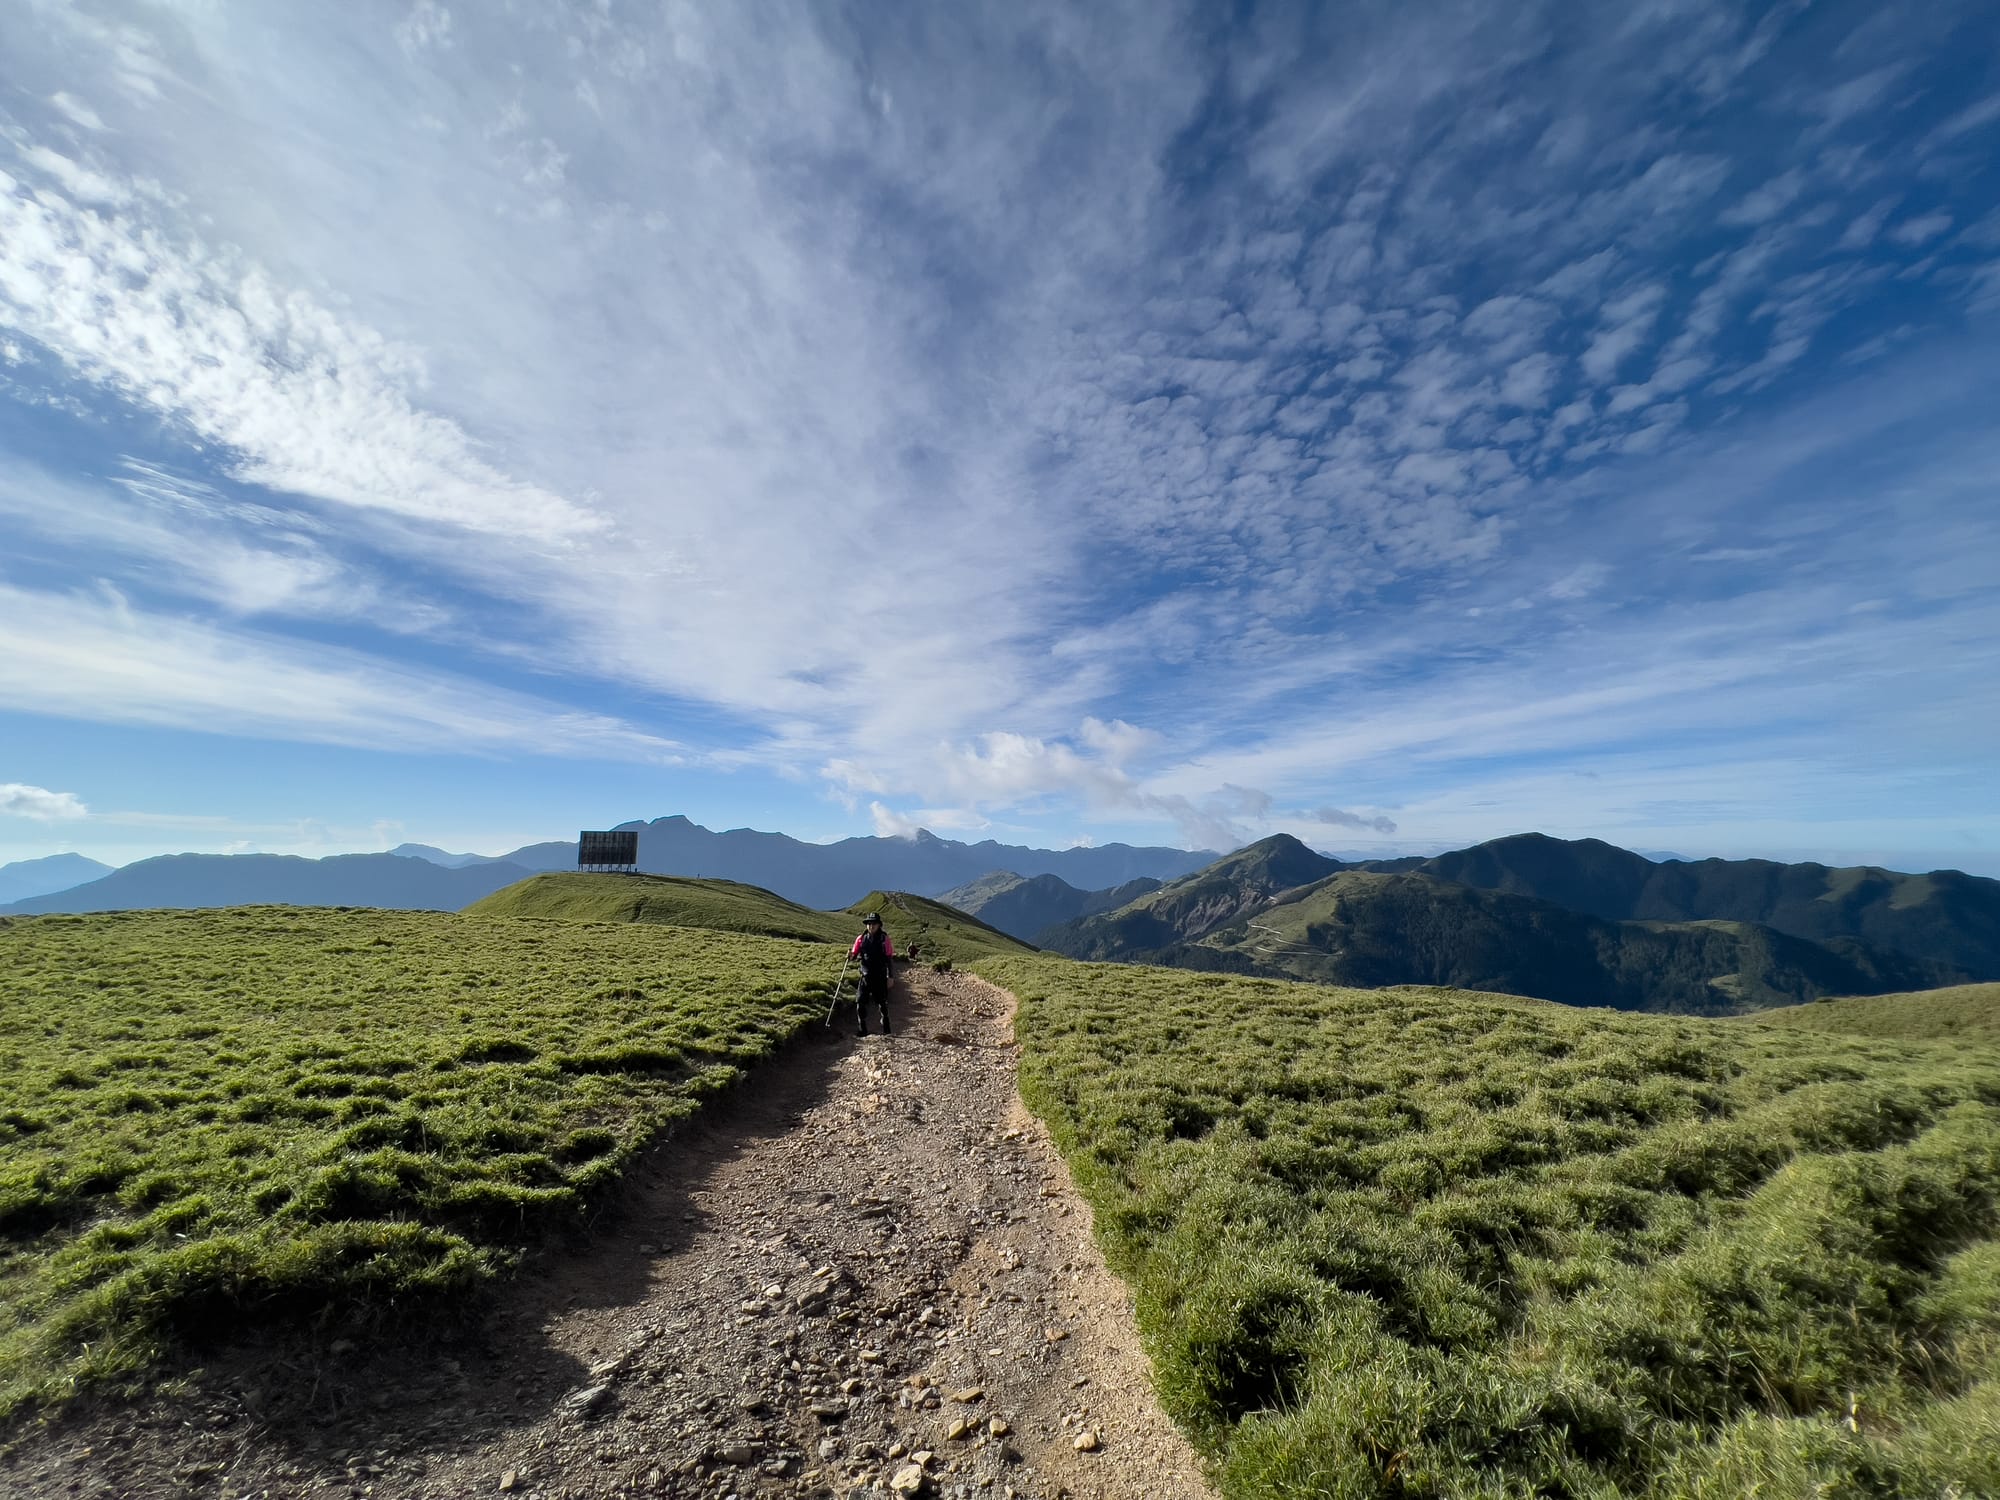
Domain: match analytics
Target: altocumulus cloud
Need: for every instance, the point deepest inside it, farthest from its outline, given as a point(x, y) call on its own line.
point(1131, 414)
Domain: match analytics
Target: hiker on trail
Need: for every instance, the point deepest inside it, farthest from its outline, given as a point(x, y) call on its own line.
point(875, 951)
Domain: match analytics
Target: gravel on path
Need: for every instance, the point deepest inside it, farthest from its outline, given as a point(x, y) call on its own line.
point(866, 1274)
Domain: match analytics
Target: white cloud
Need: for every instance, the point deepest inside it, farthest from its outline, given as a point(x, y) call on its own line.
point(18, 800)
point(1580, 582)
point(303, 399)
point(1627, 322)
point(1861, 231)
point(428, 24)
point(1117, 742)
point(1766, 202)
point(890, 824)
point(186, 539)
point(100, 660)
point(1921, 229)
point(1980, 113)
point(79, 182)
point(76, 111)
point(1339, 817)
point(1856, 96)
point(1529, 380)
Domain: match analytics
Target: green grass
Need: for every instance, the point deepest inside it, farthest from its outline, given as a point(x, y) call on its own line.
point(223, 1117)
point(1961, 1013)
point(672, 900)
point(940, 931)
point(1423, 1243)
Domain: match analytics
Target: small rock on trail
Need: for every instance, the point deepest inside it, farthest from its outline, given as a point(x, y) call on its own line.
point(867, 1273)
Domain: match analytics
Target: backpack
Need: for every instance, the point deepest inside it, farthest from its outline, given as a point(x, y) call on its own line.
point(875, 953)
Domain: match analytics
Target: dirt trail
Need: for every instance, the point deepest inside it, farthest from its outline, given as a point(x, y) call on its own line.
point(867, 1274)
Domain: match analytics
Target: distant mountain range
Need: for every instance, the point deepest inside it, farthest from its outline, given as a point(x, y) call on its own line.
point(823, 876)
point(1580, 921)
point(188, 880)
point(830, 875)
point(37, 877)
point(434, 855)
point(1945, 915)
point(1022, 906)
point(1715, 936)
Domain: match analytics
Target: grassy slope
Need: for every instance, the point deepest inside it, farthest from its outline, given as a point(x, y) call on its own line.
point(726, 906)
point(1961, 1013)
point(1420, 1243)
point(676, 901)
point(938, 930)
point(221, 1115)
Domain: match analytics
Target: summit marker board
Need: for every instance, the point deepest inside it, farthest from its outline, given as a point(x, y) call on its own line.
point(608, 851)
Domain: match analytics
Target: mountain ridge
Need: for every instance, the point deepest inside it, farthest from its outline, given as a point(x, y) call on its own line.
point(25, 879)
point(445, 857)
point(822, 876)
point(1277, 908)
point(1025, 906)
point(1946, 915)
point(828, 875)
point(390, 881)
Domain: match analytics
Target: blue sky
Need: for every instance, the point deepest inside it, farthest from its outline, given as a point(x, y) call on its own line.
point(1395, 425)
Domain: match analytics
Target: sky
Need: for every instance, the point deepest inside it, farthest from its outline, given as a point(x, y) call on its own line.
point(1394, 425)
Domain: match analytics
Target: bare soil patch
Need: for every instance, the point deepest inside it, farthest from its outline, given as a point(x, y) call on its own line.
point(867, 1273)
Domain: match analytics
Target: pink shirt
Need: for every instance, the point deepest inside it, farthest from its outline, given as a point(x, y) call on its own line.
point(888, 946)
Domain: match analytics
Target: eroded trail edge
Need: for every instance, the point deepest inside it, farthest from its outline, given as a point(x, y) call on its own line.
point(869, 1273)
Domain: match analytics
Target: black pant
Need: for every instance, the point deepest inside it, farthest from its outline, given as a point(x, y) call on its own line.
point(873, 987)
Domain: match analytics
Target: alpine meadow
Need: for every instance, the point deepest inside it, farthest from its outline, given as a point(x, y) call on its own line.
point(1421, 1242)
point(217, 1119)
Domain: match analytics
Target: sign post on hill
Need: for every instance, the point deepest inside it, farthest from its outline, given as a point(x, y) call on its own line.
point(606, 853)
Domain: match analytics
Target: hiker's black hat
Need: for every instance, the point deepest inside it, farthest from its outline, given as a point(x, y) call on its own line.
point(873, 916)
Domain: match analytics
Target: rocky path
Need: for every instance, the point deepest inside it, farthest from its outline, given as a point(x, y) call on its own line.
point(866, 1275)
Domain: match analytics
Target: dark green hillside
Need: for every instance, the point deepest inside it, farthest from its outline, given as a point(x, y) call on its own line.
point(1945, 916)
point(1422, 1244)
point(1182, 910)
point(1968, 1014)
point(676, 901)
point(937, 930)
point(215, 1118)
point(1363, 928)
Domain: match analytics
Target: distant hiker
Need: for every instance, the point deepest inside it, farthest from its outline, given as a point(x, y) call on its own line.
point(875, 951)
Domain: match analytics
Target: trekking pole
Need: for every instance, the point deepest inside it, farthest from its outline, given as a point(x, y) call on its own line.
point(837, 988)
